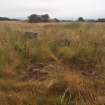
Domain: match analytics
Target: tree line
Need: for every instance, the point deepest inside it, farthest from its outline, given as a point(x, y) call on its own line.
point(8, 19)
point(34, 18)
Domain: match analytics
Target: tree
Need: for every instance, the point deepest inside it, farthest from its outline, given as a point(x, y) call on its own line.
point(4, 19)
point(45, 18)
point(33, 18)
point(81, 19)
point(38, 18)
point(101, 20)
point(57, 20)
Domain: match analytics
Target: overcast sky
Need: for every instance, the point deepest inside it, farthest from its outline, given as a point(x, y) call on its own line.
point(55, 8)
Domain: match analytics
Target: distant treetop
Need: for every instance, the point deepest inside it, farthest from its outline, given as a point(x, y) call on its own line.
point(81, 19)
point(34, 18)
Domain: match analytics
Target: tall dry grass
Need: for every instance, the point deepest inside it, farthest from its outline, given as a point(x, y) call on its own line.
point(85, 52)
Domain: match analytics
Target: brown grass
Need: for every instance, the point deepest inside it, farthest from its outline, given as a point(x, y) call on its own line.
point(66, 83)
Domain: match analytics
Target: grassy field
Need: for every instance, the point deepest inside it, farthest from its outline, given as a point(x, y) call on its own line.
point(65, 66)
